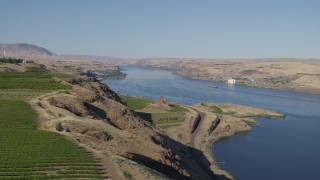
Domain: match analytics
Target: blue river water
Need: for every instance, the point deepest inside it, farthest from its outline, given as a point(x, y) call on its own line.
point(278, 149)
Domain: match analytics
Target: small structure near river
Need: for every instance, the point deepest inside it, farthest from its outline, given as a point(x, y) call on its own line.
point(231, 81)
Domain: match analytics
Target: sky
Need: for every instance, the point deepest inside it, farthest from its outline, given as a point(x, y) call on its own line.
point(166, 28)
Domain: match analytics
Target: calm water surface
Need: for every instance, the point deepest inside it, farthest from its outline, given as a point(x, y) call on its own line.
point(278, 149)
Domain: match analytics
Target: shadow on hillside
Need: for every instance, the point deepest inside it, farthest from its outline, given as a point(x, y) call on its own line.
point(145, 116)
point(189, 157)
point(195, 155)
point(99, 113)
point(160, 167)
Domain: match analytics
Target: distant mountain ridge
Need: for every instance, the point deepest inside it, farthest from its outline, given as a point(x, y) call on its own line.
point(23, 49)
point(30, 51)
point(96, 58)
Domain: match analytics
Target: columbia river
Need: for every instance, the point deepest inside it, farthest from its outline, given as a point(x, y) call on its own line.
point(286, 148)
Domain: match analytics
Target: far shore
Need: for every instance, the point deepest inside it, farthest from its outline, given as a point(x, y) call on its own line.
point(300, 75)
point(300, 90)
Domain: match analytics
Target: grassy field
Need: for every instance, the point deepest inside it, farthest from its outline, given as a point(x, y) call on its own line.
point(26, 80)
point(28, 153)
point(136, 102)
point(16, 114)
point(26, 85)
point(173, 117)
point(177, 108)
point(168, 125)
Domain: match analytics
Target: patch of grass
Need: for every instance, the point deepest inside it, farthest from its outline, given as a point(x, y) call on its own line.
point(203, 104)
point(24, 75)
point(16, 114)
point(172, 117)
point(164, 120)
point(25, 80)
point(216, 109)
point(168, 121)
point(250, 121)
point(169, 125)
point(177, 108)
point(36, 69)
point(135, 102)
point(167, 116)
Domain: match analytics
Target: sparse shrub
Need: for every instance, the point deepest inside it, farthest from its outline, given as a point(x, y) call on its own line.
point(216, 109)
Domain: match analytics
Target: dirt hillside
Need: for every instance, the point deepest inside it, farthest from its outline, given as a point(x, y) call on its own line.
point(96, 118)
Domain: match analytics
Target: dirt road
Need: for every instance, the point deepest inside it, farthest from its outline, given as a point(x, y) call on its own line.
point(194, 151)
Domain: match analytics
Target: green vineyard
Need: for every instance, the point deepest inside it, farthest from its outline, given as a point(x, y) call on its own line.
point(29, 153)
point(24, 80)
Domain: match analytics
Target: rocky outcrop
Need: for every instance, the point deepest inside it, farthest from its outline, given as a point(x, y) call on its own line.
point(214, 124)
point(99, 89)
point(224, 126)
point(161, 104)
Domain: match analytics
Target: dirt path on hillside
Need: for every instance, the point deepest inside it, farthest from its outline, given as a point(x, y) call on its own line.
point(193, 148)
point(49, 115)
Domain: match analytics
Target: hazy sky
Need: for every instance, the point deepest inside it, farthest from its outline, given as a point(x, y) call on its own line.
point(166, 28)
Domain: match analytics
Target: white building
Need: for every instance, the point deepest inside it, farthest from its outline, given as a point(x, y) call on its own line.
point(231, 81)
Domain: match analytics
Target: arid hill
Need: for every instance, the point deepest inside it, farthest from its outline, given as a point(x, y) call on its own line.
point(40, 54)
point(96, 118)
point(20, 50)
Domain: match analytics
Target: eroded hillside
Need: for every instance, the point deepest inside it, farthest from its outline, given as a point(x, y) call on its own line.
point(96, 118)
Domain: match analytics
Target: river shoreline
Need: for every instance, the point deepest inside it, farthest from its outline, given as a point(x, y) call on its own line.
point(205, 141)
point(175, 72)
point(307, 91)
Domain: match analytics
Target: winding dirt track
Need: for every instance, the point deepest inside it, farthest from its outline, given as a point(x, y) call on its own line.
point(193, 150)
point(50, 115)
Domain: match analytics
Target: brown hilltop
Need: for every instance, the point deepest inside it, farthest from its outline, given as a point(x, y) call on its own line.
point(160, 104)
point(23, 49)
